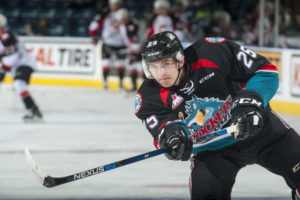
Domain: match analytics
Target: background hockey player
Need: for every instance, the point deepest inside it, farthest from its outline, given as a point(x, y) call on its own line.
point(194, 92)
point(130, 34)
point(113, 49)
point(163, 19)
point(16, 59)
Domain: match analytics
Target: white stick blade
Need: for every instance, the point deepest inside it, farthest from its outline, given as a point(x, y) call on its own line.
point(37, 172)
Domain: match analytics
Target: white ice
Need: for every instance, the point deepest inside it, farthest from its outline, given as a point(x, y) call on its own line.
point(89, 127)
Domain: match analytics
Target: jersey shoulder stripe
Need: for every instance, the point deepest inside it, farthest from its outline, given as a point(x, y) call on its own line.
point(203, 63)
point(268, 67)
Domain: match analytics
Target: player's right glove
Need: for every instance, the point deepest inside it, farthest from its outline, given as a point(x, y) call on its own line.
point(174, 139)
point(247, 108)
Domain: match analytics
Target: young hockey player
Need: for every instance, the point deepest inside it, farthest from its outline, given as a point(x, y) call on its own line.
point(193, 92)
point(16, 59)
point(130, 33)
point(113, 49)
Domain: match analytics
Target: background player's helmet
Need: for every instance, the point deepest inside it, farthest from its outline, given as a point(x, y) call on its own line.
point(3, 21)
point(114, 4)
point(161, 46)
point(162, 4)
point(122, 14)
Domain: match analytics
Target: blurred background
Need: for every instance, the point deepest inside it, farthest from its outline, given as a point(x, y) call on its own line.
point(234, 19)
point(87, 123)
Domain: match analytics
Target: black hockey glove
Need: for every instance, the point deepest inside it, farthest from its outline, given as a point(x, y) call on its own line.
point(247, 108)
point(174, 139)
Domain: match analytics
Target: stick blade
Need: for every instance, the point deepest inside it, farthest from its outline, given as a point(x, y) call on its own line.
point(37, 172)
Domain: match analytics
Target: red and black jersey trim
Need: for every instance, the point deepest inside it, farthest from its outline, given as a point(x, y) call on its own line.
point(268, 67)
point(164, 93)
point(203, 63)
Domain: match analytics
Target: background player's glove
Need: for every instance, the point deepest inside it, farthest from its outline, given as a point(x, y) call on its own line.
point(174, 139)
point(247, 108)
point(94, 40)
point(2, 74)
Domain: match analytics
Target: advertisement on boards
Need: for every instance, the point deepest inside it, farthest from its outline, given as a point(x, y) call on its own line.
point(295, 75)
point(63, 56)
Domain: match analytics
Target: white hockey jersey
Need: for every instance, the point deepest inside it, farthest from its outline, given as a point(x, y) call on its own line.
point(110, 28)
point(160, 23)
point(14, 54)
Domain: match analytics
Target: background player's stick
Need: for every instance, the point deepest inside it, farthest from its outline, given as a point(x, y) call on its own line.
point(49, 181)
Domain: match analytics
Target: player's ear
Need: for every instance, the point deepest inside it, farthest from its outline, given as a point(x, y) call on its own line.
point(181, 62)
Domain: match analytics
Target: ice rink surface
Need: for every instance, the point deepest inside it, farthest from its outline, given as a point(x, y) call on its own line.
point(89, 127)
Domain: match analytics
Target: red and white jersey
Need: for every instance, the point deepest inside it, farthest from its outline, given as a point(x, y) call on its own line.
point(160, 23)
point(14, 54)
point(106, 21)
point(129, 33)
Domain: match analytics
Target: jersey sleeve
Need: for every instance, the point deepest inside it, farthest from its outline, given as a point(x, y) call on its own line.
point(9, 53)
point(8, 62)
point(9, 39)
point(245, 63)
point(124, 35)
point(254, 71)
point(10, 43)
point(97, 23)
point(152, 109)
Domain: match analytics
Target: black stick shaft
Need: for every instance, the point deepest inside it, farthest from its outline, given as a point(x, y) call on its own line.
point(52, 181)
point(49, 181)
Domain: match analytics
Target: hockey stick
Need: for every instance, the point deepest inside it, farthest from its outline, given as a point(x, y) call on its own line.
point(49, 181)
point(231, 130)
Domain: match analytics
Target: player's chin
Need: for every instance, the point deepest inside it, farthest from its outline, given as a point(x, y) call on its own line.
point(166, 83)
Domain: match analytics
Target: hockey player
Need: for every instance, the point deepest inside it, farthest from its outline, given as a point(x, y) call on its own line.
point(163, 19)
point(113, 49)
point(130, 34)
point(16, 59)
point(190, 93)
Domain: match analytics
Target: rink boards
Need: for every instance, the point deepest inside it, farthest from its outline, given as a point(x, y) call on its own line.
point(67, 61)
point(89, 127)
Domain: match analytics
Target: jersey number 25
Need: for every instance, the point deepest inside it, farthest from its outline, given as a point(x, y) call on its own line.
point(243, 55)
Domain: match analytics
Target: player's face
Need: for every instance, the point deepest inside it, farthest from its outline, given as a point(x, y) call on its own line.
point(124, 21)
point(115, 6)
point(165, 72)
point(161, 11)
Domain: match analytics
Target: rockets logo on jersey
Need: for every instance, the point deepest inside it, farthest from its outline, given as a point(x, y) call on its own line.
point(176, 100)
point(214, 39)
point(138, 102)
point(206, 115)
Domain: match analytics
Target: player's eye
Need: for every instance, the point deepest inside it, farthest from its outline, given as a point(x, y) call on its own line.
point(166, 65)
point(153, 67)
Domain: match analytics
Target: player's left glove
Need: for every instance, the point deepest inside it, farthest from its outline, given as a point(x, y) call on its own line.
point(174, 139)
point(94, 40)
point(247, 108)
